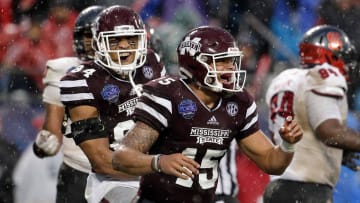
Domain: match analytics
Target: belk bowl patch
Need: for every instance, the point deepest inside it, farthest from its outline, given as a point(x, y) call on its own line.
point(110, 93)
point(187, 108)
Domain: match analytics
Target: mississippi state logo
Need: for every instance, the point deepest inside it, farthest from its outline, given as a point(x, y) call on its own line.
point(191, 46)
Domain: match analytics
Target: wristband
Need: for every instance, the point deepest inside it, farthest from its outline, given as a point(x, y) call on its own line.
point(155, 163)
point(287, 147)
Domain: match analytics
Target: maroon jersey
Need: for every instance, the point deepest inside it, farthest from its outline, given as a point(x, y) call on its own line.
point(188, 126)
point(94, 85)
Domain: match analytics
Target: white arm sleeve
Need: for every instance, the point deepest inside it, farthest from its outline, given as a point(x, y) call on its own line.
point(51, 95)
point(321, 108)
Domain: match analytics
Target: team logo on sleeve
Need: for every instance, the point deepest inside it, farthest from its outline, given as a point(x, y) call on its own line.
point(232, 109)
point(148, 72)
point(187, 108)
point(110, 93)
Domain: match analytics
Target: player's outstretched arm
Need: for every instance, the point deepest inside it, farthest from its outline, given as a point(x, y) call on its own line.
point(273, 159)
point(334, 133)
point(132, 156)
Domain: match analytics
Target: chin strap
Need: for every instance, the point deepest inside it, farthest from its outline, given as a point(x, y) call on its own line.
point(136, 89)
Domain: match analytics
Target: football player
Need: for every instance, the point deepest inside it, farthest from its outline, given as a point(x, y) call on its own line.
point(75, 167)
point(184, 126)
point(315, 95)
point(100, 97)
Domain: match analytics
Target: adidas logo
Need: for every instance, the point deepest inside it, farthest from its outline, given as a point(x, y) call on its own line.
point(212, 121)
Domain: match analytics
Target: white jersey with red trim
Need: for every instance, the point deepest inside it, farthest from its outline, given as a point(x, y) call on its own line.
point(56, 69)
point(288, 95)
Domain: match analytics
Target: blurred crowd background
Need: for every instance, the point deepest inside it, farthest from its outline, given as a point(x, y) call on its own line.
point(268, 32)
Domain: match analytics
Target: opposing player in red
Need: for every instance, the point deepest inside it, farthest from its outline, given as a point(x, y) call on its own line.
point(315, 95)
point(184, 126)
point(100, 97)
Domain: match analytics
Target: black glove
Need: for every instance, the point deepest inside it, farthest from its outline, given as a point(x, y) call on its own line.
point(351, 160)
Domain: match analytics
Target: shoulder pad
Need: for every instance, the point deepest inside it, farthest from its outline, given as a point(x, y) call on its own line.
point(62, 65)
point(326, 80)
point(57, 68)
point(163, 85)
point(151, 53)
point(153, 60)
point(288, 80)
